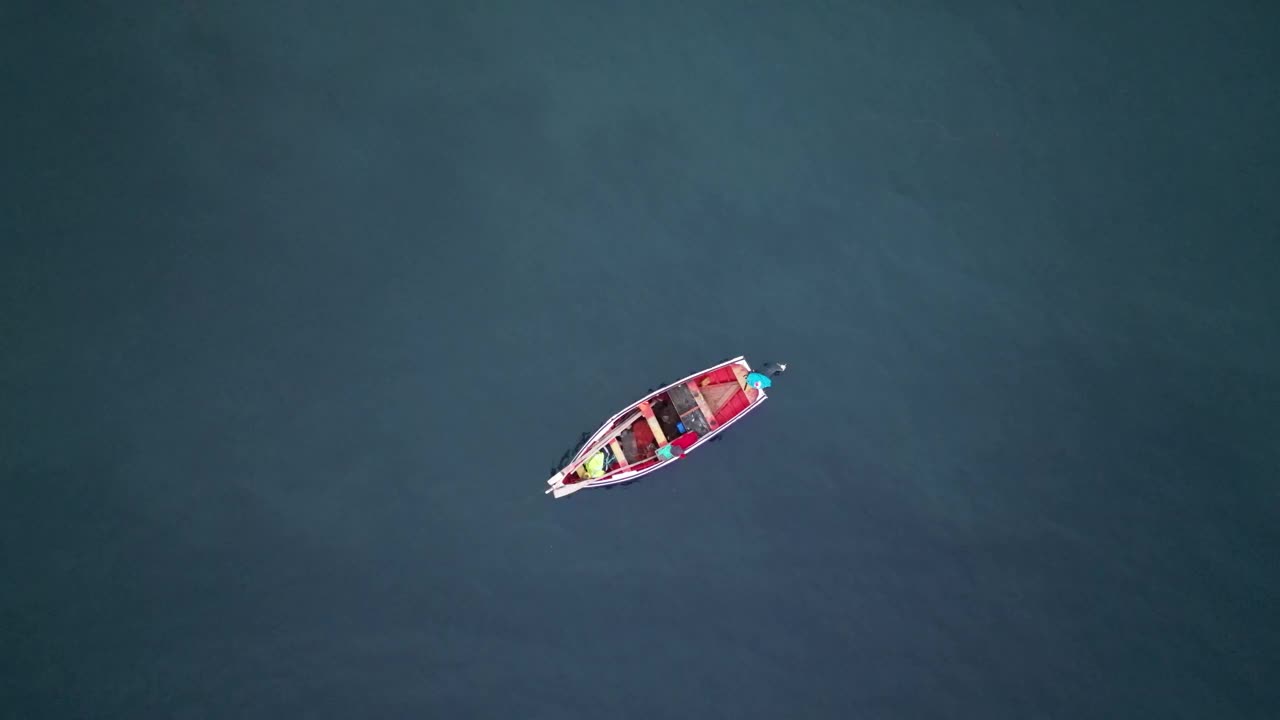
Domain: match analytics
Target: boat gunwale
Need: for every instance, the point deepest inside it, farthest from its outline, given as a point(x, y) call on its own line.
point(627, 474)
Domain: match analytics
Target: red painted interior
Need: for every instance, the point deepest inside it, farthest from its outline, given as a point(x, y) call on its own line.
point(734, 405)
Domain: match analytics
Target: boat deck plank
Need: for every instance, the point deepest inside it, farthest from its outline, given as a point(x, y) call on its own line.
point(690, 409)
point(702, 405)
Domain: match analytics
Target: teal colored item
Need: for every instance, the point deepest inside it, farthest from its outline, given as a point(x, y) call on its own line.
point(670, 452)
point(757, 380)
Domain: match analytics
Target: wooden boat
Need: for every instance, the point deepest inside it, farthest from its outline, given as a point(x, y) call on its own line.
point(660, 428)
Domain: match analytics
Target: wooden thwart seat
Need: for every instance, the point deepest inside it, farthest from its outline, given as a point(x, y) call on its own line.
point(617, 453)
point(658, 435)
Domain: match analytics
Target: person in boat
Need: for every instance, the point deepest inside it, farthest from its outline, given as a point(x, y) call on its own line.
point(762, 380)
point(594, 466)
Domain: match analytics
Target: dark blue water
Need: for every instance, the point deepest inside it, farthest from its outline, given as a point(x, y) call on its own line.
point(299, 303)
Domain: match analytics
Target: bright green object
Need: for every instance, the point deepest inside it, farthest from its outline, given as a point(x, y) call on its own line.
point(595, 465)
